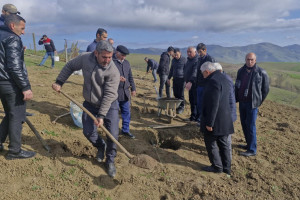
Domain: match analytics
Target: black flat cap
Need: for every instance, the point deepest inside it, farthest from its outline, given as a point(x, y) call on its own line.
point(122, 49)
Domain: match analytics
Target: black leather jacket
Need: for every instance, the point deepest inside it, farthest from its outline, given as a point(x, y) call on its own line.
point(259, 85)
point(12, 66)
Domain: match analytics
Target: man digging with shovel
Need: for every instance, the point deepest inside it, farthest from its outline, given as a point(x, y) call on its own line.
point(101, 81)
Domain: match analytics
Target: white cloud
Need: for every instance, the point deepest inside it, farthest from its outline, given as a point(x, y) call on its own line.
point(176, 15)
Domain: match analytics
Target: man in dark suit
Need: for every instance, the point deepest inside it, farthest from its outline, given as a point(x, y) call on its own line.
point(216, 123)
point(126, 88)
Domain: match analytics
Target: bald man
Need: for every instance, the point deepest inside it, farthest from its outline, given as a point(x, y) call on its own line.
point(251, 89)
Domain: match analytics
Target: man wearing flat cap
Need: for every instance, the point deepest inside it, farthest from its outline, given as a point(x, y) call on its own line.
point(8, 9)
point(100, 92)
point(126, 87)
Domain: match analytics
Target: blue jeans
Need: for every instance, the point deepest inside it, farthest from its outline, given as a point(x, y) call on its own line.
point(154, 74)
point(125, 113)
point(111, 123)
point(199, 100)
point(163, 82)
point(46, 56)
point(248, 117)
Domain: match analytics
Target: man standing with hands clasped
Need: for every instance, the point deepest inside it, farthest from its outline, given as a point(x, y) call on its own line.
point(126, 85)
point(251, 89)
point(15, 87)
point(100, 92)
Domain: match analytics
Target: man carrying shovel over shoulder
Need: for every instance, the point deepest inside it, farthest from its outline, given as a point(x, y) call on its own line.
point(100, 91)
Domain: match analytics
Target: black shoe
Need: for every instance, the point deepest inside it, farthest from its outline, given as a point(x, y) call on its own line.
point(22, 154)
point(128, 134)
point(211, 169)
point(241, 146)
point(1, 147)
point(111, 169)
point(101, 153)
point(29, 114)
point(247, 154)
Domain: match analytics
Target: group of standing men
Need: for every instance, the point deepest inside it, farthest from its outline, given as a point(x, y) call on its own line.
point(109, 85)
point(213, 97)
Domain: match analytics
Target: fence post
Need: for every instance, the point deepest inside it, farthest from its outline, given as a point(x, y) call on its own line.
point(34, 45)
point(66, 50)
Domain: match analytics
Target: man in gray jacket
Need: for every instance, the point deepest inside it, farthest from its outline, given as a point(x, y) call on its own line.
point(100, 91)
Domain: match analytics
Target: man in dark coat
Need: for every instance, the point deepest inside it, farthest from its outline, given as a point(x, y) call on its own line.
point(177, 72)
point(151, 65)
point(8, 9)
point(199, 79)
point(251, 89)
point(15, 88)
point(163, 71)
point(190, 66)
point(215, 123)
point(126, 85)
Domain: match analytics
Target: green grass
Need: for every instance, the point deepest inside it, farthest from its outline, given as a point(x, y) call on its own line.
point(284, 97)
point(137, 61)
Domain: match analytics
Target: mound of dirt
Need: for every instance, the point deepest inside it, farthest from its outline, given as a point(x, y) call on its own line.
point(174, 155)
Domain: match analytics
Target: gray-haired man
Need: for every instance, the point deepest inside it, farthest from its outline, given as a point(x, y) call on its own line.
point(100, 91)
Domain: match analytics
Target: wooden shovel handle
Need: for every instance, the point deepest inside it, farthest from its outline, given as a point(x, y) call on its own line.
point(101, 126)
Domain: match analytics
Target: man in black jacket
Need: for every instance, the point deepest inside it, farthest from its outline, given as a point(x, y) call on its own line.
point(189, 72)
point(251, 89)
point(15, 87)
point(163, 71)
point(216, 121)
point(126, 88)
point(177, 72)
point(199, 79)
point(50, 49)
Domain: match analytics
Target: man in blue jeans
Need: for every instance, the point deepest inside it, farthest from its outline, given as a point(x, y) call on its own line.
point(251, 89)
point(151, 65)
point(50, 49)
point(126, 88)
point(163, 71)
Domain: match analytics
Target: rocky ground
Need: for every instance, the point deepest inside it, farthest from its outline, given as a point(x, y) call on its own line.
point(70, 170)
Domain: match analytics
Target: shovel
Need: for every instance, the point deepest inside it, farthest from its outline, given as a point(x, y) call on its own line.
point(142, 160)
point(101, 126)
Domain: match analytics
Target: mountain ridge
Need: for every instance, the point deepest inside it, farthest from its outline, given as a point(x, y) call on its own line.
point(266, 52)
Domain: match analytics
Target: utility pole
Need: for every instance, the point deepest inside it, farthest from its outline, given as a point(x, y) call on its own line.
point(33, 37)
point(66, 50)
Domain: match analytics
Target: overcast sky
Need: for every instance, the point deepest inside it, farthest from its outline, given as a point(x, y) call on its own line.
point(161, 23)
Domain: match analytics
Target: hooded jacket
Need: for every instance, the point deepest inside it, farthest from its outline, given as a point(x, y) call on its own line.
point(12, 66)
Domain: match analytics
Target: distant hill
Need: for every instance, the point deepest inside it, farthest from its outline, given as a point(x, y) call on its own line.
point(266, 52)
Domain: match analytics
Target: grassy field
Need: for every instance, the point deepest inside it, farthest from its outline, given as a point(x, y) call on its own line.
point(287, 93)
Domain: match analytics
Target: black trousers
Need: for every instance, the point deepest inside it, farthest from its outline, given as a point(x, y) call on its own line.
point(178, 89)
point(193, 102)
point(14, 108)
point(218, 151)
point(111, 123)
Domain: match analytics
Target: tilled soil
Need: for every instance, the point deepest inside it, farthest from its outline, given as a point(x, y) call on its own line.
point(70, 170)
